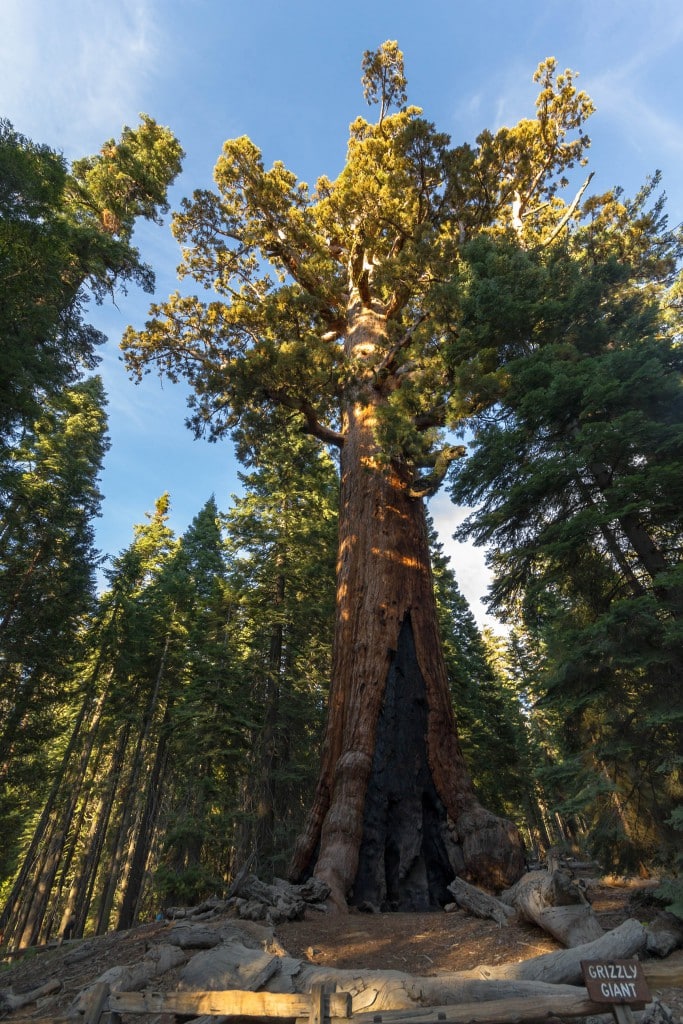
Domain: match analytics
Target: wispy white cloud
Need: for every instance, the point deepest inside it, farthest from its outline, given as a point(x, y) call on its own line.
point(72, 71)
point(639, 112)
point(632, 37)
point(650, 129)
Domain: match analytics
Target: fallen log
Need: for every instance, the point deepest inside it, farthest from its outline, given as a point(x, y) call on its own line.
point(189, 936)
point(231, 965)
point(664, 934)
point(564, 966)
point(572, 926)
point(255, 900)
point(557, 904)
point(157, 961)
point(10, 1000)
point(207, 909)
point(479, 903)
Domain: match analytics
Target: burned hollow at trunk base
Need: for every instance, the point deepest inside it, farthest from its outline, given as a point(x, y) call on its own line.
point(395, 814)
point(407, 856)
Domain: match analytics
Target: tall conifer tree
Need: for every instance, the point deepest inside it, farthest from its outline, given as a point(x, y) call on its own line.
point(47, 565)
point(282, 536)
point(576, 474)
point(65, 235)
point(336, 304)
point(209, 723)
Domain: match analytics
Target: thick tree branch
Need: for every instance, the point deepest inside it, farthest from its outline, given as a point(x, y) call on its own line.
point(427, 484)
point(320, 430)
point(388, 364)
point(313, 425)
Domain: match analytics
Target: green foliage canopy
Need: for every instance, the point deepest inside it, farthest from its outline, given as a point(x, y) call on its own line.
point(575, 472)
point(65, 234)
point(290, 268)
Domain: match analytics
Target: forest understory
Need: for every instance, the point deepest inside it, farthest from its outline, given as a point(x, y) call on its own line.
point(420, 944)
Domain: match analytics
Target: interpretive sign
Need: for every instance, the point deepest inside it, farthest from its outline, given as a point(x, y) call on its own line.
point(616, 981)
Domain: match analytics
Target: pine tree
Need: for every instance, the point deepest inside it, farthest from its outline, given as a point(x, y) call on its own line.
point(489, 721)
point(575, 472)
point(209, 724)
point(146, 675)
point(65, 234)
point(282, 534)
point(47, 564)
point(114, 709)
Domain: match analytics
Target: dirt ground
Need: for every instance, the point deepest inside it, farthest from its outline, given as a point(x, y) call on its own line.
point(429, 944)
point(424, 944)
point(420, 944)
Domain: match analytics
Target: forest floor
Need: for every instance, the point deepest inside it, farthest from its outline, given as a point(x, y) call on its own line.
point(422, 944)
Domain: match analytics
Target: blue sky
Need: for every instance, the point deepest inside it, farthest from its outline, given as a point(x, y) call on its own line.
point(288, 75)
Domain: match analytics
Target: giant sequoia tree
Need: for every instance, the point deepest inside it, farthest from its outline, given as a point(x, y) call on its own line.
point(336, 305)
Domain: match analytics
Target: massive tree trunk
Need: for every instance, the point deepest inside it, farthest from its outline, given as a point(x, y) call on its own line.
point(395, 815)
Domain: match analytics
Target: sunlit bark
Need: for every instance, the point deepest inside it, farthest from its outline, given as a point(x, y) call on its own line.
point(384, 587)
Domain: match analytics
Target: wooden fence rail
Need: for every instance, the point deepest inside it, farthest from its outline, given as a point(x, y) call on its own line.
point(317, 1007)
point(324, 1007)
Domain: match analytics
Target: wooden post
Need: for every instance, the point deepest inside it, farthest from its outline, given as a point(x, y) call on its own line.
point(340, 1004)
point(98, 998)
point(317, 1014)
point(622, 1013)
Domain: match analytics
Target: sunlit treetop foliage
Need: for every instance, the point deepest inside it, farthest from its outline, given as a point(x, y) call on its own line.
point(384, 80)
point(289, 271)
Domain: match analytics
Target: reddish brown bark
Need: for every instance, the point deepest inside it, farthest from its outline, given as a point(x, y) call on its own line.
point(383, 582)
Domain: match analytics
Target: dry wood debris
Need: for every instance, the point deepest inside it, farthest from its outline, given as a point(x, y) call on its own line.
point(212, 949)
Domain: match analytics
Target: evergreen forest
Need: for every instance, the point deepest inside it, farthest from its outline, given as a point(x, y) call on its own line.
point(163, 729)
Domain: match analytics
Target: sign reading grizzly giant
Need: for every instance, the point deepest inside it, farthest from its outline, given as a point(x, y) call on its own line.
point(616, 981)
